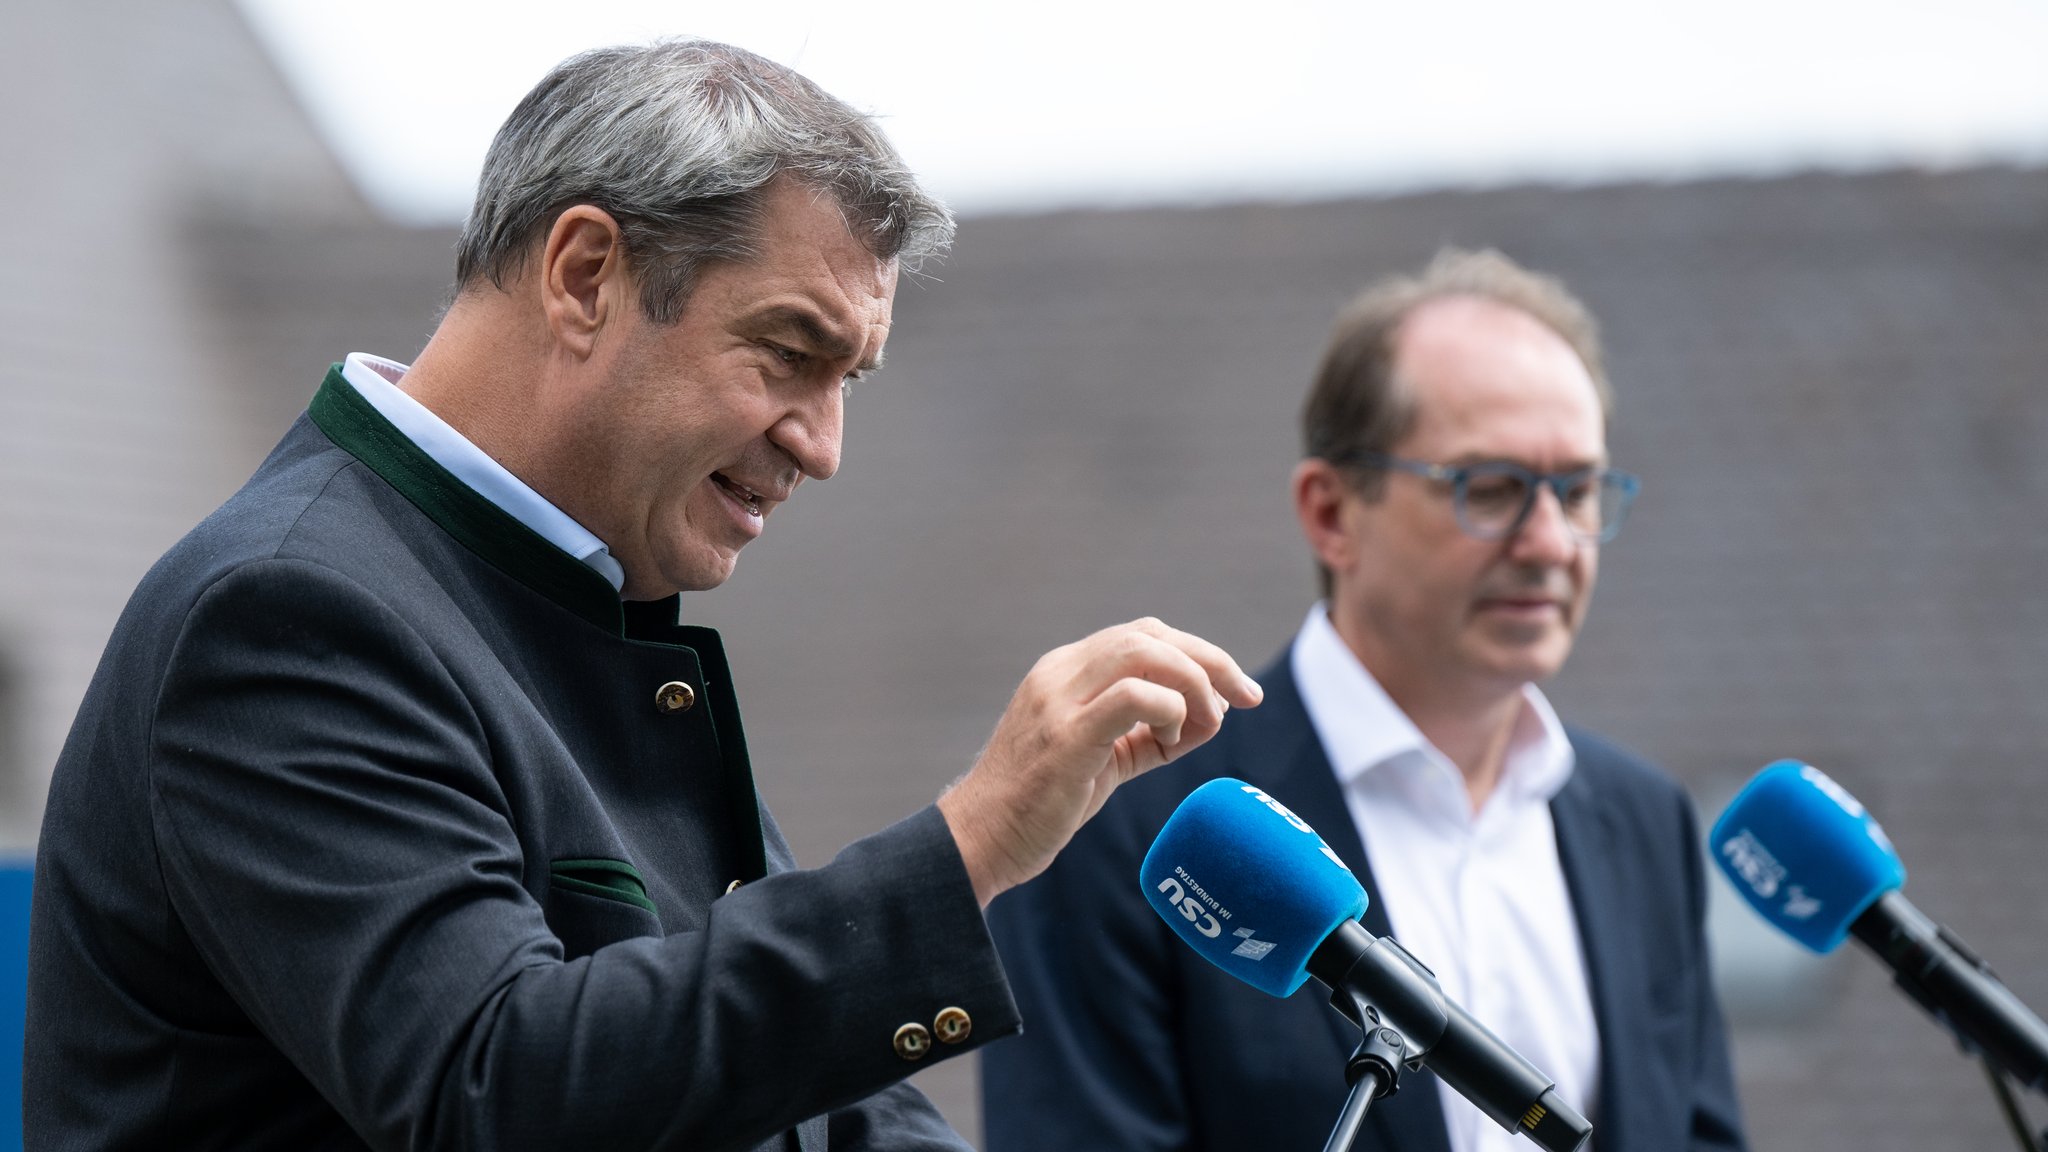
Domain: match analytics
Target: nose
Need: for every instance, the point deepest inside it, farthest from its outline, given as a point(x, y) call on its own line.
point(812, 429)
point(1545, 535)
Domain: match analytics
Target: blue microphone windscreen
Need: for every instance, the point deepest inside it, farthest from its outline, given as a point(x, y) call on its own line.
point(1804, 853)
point(1248, 884)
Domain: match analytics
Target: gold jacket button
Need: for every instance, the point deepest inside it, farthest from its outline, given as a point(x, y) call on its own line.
point(732, 888)
point(675, 696)
point(913, 1041)
point(953, 1025)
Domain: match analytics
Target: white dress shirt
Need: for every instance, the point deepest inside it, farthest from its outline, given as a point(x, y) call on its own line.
point(376, 379)
point(1479, 897)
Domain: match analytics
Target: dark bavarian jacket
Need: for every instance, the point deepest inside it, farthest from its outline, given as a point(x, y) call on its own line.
point(1135, 1042)
point(386, 824)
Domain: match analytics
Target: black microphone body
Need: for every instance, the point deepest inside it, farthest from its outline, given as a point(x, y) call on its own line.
point(1943, 976)
point(1462, 1052)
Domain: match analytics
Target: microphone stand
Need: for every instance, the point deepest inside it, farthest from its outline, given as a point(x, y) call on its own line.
point(1373, 1071)
point(1912, 979)
point(2001, 1087)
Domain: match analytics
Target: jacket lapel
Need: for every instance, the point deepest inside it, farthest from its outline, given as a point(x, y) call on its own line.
point(1585, 849)
point(1303, 779)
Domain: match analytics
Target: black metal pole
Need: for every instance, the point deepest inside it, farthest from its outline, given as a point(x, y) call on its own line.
point(1373, 1071)
point(2010, 1107)
point(1368, 1088)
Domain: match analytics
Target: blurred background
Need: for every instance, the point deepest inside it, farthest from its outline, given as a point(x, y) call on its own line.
point(1816, 235)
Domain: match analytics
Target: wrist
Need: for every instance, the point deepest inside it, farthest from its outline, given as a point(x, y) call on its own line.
point(986, 864)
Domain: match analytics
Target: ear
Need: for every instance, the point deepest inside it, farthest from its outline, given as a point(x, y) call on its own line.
point(583, 280)
point(1321, 499)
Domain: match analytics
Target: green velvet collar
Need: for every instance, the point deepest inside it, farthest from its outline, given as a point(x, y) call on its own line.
point(481, 526)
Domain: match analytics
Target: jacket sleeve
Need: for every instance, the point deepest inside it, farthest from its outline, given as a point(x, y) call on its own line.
point(1089, 963)
point(337, 847)
point(896, 1119)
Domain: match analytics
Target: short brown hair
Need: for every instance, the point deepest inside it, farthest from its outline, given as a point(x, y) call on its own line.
point(1356, 405)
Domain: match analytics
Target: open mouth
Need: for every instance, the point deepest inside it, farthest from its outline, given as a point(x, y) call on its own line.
point(747, 497)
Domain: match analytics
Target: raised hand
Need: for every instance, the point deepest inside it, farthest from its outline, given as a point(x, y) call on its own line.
point(1088, 717)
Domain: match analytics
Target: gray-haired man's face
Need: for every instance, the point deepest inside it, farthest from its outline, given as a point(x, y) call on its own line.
point(707, 425)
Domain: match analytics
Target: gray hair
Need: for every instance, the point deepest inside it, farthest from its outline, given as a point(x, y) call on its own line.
point(679, 141)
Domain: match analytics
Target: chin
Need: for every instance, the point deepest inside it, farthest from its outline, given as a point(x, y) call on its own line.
point(1535, 670)
point(705, 581)
point(1529, 664)
point(696, 573)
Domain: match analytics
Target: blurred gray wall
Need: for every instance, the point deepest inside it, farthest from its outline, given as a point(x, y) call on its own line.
point(1832, 385)
point(122, 417)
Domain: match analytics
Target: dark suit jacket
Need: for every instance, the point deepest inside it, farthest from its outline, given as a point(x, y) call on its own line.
point(370, 832)
point(1134, 1042)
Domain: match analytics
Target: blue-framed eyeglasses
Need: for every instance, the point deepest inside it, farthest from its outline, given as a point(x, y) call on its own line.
point(1493, 498)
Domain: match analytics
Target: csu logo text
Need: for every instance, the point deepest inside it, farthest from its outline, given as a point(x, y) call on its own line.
point(1749, 859)
point(1190, 908)
point(1299, 824)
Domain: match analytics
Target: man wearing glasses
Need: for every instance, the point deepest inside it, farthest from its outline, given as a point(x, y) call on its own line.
point(1455, 493)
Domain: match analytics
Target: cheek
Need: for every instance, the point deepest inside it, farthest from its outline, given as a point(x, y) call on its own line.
point(1587, 571)
point(689, 499)
point(675, 452)
point(1461, 567)
point(679, 516)
point(1430, 600)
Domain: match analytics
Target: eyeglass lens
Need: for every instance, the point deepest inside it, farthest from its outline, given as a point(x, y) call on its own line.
point(1495, 498)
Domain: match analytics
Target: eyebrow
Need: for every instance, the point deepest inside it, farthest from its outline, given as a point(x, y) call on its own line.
point(812, 332)
point(1471, 458)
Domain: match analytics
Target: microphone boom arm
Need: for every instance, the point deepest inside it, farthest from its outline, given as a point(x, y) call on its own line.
point(1944, 977)
point(1467, 1057)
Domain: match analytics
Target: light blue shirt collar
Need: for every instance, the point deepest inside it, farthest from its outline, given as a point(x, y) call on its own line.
point(376, 379)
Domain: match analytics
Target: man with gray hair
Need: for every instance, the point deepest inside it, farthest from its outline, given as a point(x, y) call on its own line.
point(1455, 492)
point(402, 813)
